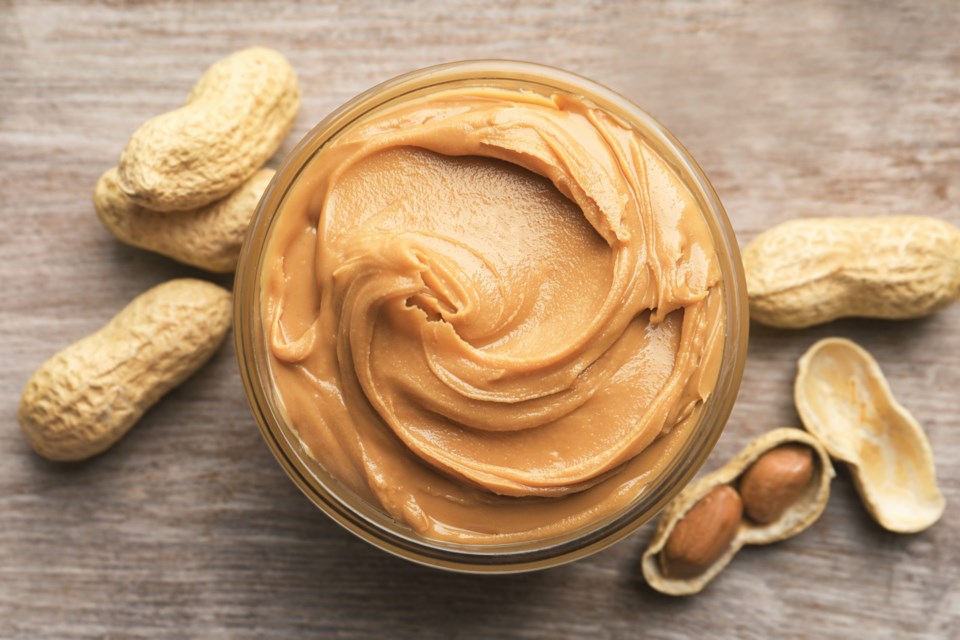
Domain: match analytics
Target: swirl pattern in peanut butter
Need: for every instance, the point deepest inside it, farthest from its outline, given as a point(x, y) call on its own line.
point(495, 314)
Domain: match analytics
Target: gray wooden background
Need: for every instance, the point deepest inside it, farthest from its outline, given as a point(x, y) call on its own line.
point(188, 528)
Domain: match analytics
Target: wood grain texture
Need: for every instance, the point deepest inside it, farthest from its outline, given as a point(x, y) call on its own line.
point(188, 528)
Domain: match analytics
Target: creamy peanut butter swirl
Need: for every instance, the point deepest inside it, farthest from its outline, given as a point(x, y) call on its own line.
point(493, 313)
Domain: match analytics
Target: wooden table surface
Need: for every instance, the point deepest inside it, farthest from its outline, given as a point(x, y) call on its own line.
point(189, 528)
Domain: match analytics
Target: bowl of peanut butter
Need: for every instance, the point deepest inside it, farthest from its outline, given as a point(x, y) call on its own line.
point(490, 316)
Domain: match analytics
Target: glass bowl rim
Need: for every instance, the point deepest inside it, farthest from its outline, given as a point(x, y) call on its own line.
point(364, 521)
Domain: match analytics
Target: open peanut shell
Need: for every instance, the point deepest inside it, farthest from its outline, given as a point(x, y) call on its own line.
point(844, 400)
point(803, 512)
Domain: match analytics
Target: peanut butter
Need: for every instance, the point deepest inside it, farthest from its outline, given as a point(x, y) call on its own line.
point(495, 314)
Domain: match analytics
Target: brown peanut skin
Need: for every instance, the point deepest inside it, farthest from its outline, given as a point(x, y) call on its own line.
point(813, 270)
point(703, 535)
point(85, 398)
point(775, 481)
point(235, 119)
point(209, 237)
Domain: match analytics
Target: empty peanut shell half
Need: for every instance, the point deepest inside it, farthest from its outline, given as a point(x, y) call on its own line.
point(845, 401)
point(784, 484)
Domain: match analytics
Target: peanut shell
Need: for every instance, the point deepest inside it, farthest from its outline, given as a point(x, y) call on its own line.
point(208, 237)
point(235, 118)
point(809, 271)
point(85, 398)
point(844, 400)
point(795, 519)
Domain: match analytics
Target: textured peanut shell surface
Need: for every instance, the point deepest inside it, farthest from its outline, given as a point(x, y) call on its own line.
point(85, 398)
point(209, 237)
point(813, 270)
point(234, 120)
point(844, 400)
point(803, 513)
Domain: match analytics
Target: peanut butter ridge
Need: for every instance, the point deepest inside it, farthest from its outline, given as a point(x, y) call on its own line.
point(493, 313)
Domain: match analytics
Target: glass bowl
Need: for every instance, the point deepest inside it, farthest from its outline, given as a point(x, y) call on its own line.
point(369, 521)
